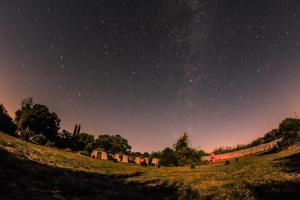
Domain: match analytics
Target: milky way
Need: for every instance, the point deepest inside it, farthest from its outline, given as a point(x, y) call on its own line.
point(224, 71)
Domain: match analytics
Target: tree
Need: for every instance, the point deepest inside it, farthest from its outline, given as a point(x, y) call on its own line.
point(103, 142)
point(182, 144)
point(168, 157)
point(81, 141)
point(146, 154)
point(156, 154)
point(289, 130)
point(289, 126)
point(6, 123)
point(185, 155)
point(64, 140)
point(76, 129)
point(38, 119)
point(113, 144)
point(119, 144)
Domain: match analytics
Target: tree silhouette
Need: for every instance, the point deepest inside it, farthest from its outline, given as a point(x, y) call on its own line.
point(168, 157)
point(185, 154)
point(6, 123)
point(38, 119)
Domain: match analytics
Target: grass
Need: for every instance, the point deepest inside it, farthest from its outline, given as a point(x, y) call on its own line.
point(48, 173)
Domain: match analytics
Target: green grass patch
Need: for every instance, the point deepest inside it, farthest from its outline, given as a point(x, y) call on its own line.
point(49, 173)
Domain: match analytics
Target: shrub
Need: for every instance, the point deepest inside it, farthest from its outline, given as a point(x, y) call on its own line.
point(38, 139)
point(227, 162)
point(25, 134)
point(192, 166)
point(85, 153)
point(168, 158)
point(144, 164)
point(236, 159)
point(50, 144)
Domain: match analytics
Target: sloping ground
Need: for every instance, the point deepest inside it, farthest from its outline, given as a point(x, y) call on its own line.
point(29, 171)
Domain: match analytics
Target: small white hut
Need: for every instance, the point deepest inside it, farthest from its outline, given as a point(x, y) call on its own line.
point(125, 159)
point(137, 160)
point(99, 154)
point(155, 161)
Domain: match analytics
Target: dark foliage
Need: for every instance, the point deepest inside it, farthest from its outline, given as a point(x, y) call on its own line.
point(113, 144)
point(227, 162)
point(186, 155)
point(6, 123)
point(77, 142)
point(64, 140)
point(81, 141)
point(168, 158)
point(77, 129)
point(38, 119)
point(288, 131)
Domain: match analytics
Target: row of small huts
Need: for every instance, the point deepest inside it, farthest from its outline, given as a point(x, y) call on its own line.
point(98, 154)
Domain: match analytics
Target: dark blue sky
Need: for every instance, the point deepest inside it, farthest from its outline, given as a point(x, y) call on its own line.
point(224, 71)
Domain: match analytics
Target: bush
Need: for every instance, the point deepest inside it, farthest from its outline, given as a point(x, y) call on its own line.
point(168, 158)
point(50, 144)
point(227, 162)
point(193, 166)
point(144, 164)
point(85, 153)
point(38, 139)
point(236, 159)
point(25, 134)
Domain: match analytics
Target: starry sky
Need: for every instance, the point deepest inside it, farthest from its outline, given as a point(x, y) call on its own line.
point(225, 71)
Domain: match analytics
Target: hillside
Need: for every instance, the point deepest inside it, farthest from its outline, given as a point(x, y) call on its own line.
point(39, 172)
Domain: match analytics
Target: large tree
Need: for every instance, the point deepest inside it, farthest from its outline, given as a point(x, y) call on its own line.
point(185, 154)
point(103, 142)
point(119, 144)
point(38, 119)
point(289, 130)
point(113, 144)
point(82, 140)
point(6, 123)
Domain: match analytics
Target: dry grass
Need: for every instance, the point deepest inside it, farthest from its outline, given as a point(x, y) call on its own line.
point(264, 176)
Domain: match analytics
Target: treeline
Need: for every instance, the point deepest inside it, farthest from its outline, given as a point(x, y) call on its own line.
point(288, 131)
point(35, 123)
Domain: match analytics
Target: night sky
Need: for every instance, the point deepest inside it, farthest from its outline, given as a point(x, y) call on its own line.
point(224, 71)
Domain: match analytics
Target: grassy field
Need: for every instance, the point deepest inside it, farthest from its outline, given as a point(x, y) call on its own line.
point(37, 172)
